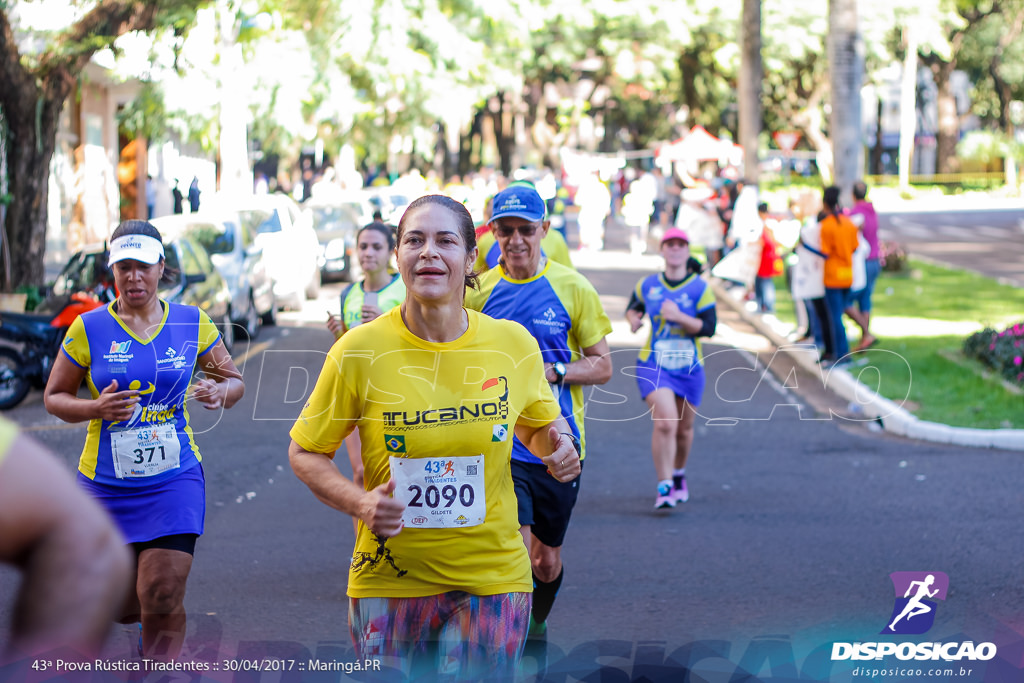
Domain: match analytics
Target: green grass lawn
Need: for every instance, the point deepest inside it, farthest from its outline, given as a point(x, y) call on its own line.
point(921, 320)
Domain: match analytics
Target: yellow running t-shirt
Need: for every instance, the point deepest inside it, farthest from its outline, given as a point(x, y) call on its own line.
point(439, 418)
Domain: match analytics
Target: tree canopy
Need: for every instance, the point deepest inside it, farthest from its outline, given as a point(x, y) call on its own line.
point(455, 84)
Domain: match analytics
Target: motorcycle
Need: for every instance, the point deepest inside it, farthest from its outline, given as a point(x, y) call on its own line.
point(29, 343)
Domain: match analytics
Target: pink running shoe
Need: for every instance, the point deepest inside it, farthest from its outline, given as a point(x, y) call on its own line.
point(681, 494)
point(665, 499)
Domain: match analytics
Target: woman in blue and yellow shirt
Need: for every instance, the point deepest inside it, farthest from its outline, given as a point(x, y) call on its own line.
point(140, 460)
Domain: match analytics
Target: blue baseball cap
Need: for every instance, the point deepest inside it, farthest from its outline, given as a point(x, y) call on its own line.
point(520, 201)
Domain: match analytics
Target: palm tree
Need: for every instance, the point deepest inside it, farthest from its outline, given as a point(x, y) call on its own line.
point(846, 71)
point(751, 77)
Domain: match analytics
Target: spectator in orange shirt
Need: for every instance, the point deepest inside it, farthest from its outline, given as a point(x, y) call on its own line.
point(838, 242)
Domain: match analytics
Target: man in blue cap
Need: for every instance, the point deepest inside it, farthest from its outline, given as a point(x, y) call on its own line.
point(561, 309)
point(552, 244)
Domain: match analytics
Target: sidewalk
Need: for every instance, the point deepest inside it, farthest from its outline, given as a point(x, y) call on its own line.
point(891, 416)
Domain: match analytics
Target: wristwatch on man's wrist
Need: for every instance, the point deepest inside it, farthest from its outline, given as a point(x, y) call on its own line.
point(559, 368)
point(574, 441)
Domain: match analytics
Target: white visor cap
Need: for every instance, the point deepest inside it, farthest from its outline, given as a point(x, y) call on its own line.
point(142, 248)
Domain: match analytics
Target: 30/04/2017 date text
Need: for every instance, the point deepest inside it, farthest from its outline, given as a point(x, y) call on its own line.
point(232, 665)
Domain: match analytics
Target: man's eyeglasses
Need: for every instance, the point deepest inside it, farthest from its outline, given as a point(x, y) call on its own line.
point(526, 230)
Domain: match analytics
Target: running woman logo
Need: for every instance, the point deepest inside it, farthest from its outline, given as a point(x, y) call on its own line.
point(913, 612)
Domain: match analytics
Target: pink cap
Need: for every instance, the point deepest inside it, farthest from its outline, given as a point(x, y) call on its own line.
point(675, 234)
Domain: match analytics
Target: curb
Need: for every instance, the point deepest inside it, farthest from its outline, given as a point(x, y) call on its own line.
point(892, 417)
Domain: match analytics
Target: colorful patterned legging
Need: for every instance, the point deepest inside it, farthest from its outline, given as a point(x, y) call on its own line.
point(454, 636)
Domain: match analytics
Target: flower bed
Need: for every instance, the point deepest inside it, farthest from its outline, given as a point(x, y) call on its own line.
point(893, 257)
point(1002, 351)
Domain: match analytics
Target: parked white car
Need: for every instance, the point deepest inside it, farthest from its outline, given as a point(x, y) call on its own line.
point(290, 246)
point(240, 261)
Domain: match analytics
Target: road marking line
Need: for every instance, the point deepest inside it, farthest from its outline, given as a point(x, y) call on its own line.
point(56, 427)
point(252, 351)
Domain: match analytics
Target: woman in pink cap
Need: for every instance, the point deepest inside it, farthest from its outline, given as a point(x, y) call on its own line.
point(670, 370)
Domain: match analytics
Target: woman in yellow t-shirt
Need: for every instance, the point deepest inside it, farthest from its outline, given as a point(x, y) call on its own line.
point(440, 576)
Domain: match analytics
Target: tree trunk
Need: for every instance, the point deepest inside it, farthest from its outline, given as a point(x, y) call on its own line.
point(33, 99)
point(504, 135)
point(876, 151)
point(689, 66)
point(811, 120)
point(948, 132)
point(751, 78)
point(908, 105)
point(30, 149)
point(846, 71)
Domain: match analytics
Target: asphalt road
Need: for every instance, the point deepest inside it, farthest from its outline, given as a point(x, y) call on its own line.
point(797, 518)
point(985, 240)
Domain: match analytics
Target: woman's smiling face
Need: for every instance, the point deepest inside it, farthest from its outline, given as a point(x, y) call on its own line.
point(432, 254)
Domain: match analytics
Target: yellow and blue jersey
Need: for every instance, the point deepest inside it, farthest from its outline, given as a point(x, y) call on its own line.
point(675, 349)
point(562, 311)
point(160, 367)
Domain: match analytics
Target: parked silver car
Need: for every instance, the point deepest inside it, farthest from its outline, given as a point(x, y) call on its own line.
point(290, 247)
point(198, 283)
point(240, 261)
point(336, 225)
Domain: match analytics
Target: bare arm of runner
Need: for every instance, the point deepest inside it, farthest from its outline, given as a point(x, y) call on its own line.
point(61, 396)
point(381, 513)
point(552, 444)
point(595, 367)
point(223, 386)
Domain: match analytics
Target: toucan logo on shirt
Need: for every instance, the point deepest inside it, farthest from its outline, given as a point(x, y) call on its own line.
point(486, 410)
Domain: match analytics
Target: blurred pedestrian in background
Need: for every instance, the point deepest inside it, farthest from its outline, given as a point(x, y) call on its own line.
point(864, 217)
point(193, 195)
point(179, 198)
point(838, 242)
point(769, 266)
point(594, 201)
